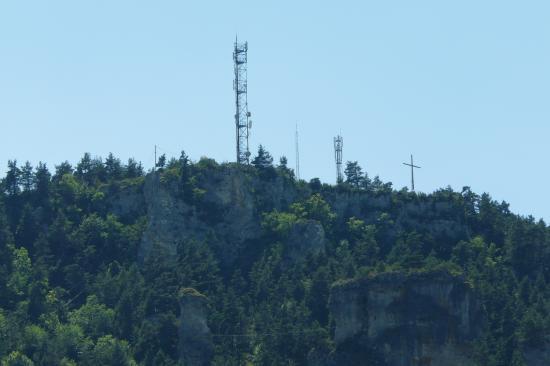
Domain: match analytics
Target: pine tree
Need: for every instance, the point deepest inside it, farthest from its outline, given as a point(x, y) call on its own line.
point(263, 159)
point(27, 177)
point(41, 183)
point(12, 180)
point(354, 174)
point(133, 169)
point(113, 167)
point(161, 162)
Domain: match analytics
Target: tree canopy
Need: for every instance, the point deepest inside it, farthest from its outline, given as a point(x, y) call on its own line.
point(75, 291)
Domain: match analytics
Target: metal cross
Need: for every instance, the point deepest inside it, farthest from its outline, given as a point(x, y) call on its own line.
point(412, 171)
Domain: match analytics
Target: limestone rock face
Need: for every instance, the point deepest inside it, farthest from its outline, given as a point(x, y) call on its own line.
point(305, 238)
point(228, 215)
point(407, 319)
point(195, 339)
point(166, 219)
point(126, 200)
point(440, 219)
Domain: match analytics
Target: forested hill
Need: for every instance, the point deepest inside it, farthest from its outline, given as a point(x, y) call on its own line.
point(204, 263)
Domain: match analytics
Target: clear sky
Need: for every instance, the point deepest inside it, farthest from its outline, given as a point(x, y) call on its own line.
point(463, 85)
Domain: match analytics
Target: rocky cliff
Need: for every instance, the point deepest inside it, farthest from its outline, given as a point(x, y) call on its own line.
point(406, 319)
point(225, 209)
point(390, 319)
point(227, 203)
point(195, 339)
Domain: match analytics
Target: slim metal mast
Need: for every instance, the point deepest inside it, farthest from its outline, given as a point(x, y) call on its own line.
point(338, 147)
point(412, 171)
point(242, 115)
point(297, 155)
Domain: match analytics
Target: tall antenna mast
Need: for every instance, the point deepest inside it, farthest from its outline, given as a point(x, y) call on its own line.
point(155, 164)
point(242, 115)
point(297, 155)
point(338, 147)
point(412, 171)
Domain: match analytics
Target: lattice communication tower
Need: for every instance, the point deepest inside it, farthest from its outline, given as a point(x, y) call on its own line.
point(338, 146)
point(242, 115)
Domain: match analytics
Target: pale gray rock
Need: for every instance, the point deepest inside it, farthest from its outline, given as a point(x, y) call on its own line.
point(408, 319)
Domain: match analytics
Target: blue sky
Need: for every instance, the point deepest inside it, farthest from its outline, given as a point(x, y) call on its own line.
point(464, 86)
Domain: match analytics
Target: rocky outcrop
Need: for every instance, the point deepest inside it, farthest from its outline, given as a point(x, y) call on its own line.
point(126, 198)
point(305, 238)
point(416, 319)
point(195, 339)
point(436, 216)
point(227, 213)
point(167, 218)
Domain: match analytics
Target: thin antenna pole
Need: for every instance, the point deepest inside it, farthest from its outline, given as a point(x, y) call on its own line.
point(412, 171)
point(297, 155)
point(155, 164)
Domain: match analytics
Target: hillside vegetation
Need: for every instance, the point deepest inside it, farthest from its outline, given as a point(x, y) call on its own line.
point(95, 258)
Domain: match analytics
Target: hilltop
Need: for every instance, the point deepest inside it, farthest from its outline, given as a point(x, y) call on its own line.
point(202, 263)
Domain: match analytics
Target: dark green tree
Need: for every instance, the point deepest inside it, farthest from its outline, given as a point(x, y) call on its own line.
point(133, 169)
point(263, 159)
point(63, 169)
point(113, 167)
point(42, 178)
point(354, 174)
point(12, 180)
point(161, 162)
point(27, 177)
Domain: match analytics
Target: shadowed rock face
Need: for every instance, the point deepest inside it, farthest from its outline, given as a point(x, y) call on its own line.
point(407, 320)
point(195, 339)
point(305, 238)
point(537, 356)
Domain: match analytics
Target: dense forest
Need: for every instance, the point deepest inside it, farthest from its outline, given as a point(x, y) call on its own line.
point(94, 260)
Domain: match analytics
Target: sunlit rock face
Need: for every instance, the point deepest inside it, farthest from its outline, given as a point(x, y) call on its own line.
point(224, 210)
point(406, 320)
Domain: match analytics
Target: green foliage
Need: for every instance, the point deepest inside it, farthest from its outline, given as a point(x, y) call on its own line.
point(263, 159)
point(21, 266)
point(73, 292)
point(17, 359)
point(314, 208)
point(279, 223)
point(354, 174)
point(109, 351)
point(93, 318)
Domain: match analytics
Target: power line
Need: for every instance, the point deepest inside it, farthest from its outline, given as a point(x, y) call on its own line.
point(255, 335)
